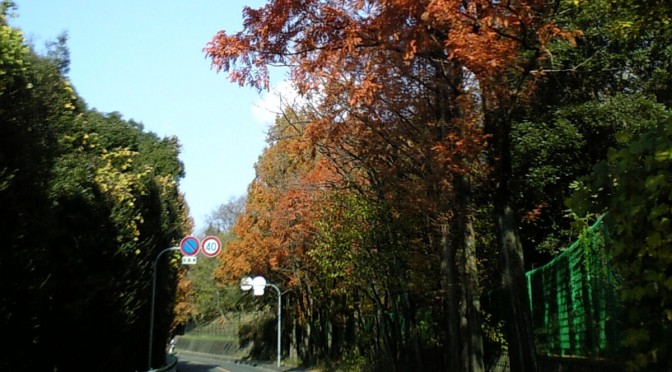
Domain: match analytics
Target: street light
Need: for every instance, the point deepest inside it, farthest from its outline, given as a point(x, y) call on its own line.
point(257, 285)
point(151, 313)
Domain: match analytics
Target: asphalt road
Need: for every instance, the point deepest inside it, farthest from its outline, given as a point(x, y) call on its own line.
point(188, 362)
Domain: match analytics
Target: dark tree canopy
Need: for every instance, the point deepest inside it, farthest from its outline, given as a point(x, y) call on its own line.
point(88, 201)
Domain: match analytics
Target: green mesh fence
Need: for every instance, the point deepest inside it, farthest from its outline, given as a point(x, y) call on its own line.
point(573, 302)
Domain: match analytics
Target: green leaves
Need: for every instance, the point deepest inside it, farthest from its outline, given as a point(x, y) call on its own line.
point(636, 188)
point(88, 200)
point(14, 55)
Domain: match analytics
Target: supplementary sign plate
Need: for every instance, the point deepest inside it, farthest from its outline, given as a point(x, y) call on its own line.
point(188, 260)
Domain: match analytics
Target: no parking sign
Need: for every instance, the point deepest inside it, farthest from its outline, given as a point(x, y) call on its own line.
point(189, 246)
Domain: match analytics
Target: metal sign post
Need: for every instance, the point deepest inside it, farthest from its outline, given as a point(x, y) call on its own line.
point(257, 285)
point(151, 312)
point(189, 246)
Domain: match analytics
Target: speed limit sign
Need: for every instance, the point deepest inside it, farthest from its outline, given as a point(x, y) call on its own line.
point(211, 246)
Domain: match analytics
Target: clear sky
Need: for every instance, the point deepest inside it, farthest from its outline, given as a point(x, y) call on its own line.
point(145, 60)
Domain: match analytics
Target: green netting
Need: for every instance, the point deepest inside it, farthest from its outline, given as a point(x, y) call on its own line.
point(573, 301)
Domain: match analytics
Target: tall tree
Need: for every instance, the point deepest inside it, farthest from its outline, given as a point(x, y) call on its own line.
point(633, 186)
point(28, 146)
point(224, 217)
point(631, 183)
point(86, 211)
point(330, 45)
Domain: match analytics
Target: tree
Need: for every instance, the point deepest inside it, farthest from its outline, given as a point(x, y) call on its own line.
point(85, 213)
point(197, 299)
point(223, 218)
point(626, 183)
point(633, 186)
point(637, 17)
point(339, 47)
point(27, 148)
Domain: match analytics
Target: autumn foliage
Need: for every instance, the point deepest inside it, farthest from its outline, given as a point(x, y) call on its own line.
point(363, 202)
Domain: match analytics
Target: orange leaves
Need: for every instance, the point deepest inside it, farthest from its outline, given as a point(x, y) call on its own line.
point(326, 43)
point(264, 41)
point(460, 150)
point(411, 49)
point(485, 36)
point(465, 141)
point(403, 88)
point(535, 213)
point(549, 32)
point(276, 229)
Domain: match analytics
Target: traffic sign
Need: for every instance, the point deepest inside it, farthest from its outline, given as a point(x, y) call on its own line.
point(189, 246)
point(188, 260)
point(211, 246)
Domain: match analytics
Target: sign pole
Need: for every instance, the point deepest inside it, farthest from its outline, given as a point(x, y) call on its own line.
point(258, 284)
point(189, 246)
point(151, 313)
point(279, 321)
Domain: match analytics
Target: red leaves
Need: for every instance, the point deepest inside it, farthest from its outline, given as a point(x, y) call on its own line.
point(404, 88)
point(535, 213)
point(325, 44)
point(483, 35)
point(277, 227)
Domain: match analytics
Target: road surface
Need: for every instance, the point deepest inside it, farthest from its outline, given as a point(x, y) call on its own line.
point(188, 362)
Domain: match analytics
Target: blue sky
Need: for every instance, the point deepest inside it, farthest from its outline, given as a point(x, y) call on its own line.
point(144, 59)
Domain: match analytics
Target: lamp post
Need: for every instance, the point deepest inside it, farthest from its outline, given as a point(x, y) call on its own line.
point(258, 284)
point(151, 313)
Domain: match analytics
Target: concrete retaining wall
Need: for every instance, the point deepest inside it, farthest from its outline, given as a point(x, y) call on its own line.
point(211, 346)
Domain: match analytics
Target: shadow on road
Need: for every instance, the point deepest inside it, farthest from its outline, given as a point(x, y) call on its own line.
point(187, 366)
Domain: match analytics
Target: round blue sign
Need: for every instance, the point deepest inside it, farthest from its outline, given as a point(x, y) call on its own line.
point(189, 246)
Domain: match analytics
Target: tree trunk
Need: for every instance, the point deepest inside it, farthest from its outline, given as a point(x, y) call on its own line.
point(451, 299)
point(519, 331)
point(412, 340)
point(383, 327)
point(471, 338)
point(518, 314)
